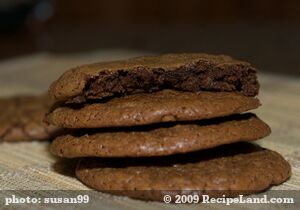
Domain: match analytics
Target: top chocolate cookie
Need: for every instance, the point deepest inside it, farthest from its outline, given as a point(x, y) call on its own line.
point(185, 72)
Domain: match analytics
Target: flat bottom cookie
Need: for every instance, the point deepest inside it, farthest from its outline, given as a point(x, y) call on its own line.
point(230, 170)
point(158, 141)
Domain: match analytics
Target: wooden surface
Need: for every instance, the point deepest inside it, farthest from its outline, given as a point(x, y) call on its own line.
point(30, 166)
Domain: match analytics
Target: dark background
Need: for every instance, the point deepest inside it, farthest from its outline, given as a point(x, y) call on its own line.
point(263, 32)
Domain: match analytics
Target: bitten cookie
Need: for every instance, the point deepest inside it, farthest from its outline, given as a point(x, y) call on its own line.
point(144, 108)
point(159, 141)
point(21, 118)
point(230, 170)
point(185, 72)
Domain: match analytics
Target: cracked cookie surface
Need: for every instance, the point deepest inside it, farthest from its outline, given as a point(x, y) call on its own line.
point(143, 108)
point(21, 118)
point(161, 140)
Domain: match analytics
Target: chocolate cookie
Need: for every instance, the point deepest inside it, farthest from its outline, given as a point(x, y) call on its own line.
point(185, 72)
point(144, 108)
point(229, 170)
point(22, 117)
point(160, 141)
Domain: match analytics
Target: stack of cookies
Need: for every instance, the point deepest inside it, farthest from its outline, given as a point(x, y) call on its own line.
point(169, 124)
